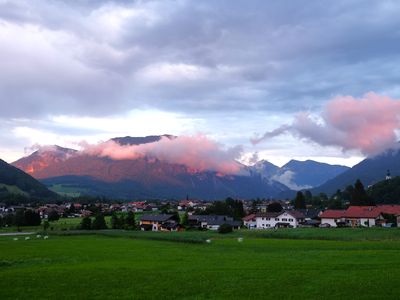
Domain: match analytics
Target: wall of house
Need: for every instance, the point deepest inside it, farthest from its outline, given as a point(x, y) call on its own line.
point(331, 222)
point(265, 223)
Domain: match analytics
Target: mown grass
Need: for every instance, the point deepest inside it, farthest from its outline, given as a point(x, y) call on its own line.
point(104, 267)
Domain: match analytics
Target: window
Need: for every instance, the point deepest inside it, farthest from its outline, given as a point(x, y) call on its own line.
point(268, 219)
point(276, 219)
point(284, 219)
point(290, 220)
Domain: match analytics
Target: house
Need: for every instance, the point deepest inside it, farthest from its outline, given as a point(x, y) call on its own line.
point(250, 221)
point(332, 217)
point(365, 216)
point(212, 222)
point(161, 222)
point(286, 218)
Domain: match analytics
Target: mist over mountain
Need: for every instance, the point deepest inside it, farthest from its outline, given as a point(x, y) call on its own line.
point(298, 175)
point(142, 176)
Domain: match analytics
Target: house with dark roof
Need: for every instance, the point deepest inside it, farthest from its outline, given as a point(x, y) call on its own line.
point(212, 222)
point(285, 218)
point(160, 222)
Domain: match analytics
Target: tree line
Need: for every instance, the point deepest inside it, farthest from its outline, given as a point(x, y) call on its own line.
point(352, 195)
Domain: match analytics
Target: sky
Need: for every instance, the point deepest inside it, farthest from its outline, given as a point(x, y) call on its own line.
point(278, 80)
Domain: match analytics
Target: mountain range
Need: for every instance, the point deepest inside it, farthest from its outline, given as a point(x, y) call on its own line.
point(66, 170)
point(370, 171)
point(69, 171)
point(299, 175)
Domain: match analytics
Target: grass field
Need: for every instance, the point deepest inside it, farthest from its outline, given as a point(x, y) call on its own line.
point(128, 265)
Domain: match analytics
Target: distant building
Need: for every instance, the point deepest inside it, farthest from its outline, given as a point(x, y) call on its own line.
point(388, 176)
point(161, 222)
point(285, 218)
point(364, 216)
point(212, 222)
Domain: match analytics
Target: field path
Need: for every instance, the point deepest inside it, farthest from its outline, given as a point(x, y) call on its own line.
point(15, 233)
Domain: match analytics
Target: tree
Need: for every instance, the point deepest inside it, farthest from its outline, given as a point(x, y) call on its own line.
point(86, 223)
point(115, 221)
point(20, 218)
point(32, 218)
point(72, 209)
point(299, 201)
point(185, 219)
point(359, 195)
point(308, 196)
point(130, 221)
point(99, 222)
point(53, 216)
point(274, 207)
point(225, 228)
point(46, 225)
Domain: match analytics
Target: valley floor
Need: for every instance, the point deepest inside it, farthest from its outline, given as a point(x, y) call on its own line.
point(147, 265)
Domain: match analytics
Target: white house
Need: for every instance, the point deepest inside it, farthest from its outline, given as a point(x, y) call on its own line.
point(278, 219)
point(332, 217)
point(250, 221)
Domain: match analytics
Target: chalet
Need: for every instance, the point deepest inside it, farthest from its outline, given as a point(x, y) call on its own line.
point(212, 222)
point(332, 217)
point(286, 218)
point(161, 222)
point(365, 216)
point(250, 221)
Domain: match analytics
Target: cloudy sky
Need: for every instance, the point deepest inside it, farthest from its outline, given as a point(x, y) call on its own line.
point(281, 79)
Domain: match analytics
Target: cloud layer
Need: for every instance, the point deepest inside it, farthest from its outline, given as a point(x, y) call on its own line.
point(197, 152)
point(226, 65)
point(368, 124)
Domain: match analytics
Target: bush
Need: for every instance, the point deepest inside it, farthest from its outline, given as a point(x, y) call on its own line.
point(225, 228)
point(86, 223)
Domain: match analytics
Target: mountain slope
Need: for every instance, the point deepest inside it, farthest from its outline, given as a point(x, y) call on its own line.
point(17, 181)
point(299, 175)
point(309, 173)
point(369, 171)
point(141, 177)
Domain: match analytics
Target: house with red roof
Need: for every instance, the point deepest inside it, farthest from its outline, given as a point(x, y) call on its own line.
point(366, 216)
point(332, 217)
point(250, 221)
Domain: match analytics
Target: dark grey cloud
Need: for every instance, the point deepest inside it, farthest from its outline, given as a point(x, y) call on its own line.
point(97, 58)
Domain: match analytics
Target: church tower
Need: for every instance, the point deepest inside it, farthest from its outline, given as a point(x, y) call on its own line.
point(388, 177)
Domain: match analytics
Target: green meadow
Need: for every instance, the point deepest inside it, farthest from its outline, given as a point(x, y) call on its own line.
point(314, 264)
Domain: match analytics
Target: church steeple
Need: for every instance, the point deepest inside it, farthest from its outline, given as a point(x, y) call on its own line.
point(388, 177)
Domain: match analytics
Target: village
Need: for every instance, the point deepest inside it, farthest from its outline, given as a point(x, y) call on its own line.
point(201, 215)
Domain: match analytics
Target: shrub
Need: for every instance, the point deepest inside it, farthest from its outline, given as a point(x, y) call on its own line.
point(225, 228)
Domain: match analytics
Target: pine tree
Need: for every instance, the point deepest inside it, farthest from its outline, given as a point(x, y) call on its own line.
point(299, 201)
point(99, 222)
point(359, 195)
point(130, 220)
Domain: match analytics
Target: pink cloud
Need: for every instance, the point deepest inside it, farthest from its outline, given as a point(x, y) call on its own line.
point(197, 152)
point(368, 124)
